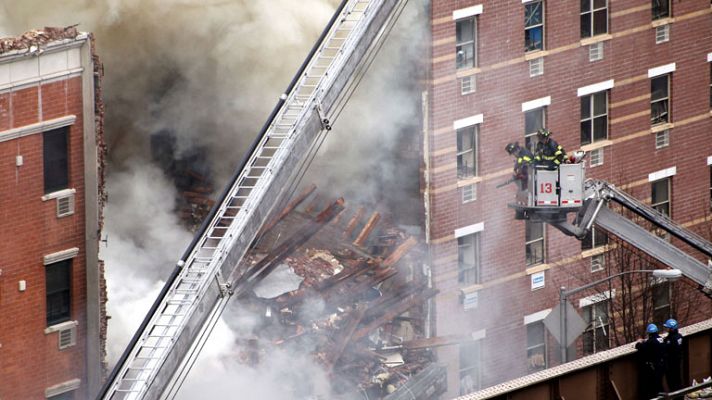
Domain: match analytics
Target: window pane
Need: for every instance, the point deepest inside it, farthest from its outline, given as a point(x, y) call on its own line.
point(533, 120)
point(585, 5)
point(661, 9)
point(600, 128)
point(659, 88)
point(535, 252)
point(600, 22)
point(585, 107)
point(55, 146)
point(585, 25)
point(599, 103)
point(660, 191)
point(464, 30)
point(466, 56)
point(534, 231)
point(586, 132)
point(57, 285)
point(659, 112)
point(465, 139)
point(534, 39)
point(599, 4)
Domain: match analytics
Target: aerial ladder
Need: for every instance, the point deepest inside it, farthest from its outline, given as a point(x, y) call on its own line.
point(553, 194)
point(166, 344)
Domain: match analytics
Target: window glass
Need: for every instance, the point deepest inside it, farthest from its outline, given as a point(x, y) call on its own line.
point(469, 367)
point(58, 290)
point(536, 347)
point(594, 117)
point(533, 121)
point(465, 31)
point(661, 196)
point(534, 26)
point(661, 9)
point(468, 249)
point(535, 243)
point(467, 152)
point(56, 168)
point(660, 99)
point(595, 338)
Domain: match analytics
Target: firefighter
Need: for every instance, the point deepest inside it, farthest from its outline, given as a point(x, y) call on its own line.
point(673, 346)
point(548, 152)
point(651, 353)
point(523, 158)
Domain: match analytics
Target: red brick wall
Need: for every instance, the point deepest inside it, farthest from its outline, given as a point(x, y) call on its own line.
point(31, 360)
point(502, 85)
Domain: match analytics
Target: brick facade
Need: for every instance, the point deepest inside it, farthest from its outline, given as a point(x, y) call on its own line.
point(629, 155)
point(33, 366)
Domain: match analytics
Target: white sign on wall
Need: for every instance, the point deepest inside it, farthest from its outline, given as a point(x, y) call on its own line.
point(538, 280)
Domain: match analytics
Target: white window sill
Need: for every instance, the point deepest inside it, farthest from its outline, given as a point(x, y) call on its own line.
point(537, 268)
point(469, 181)
point(59, 193)
point(594, 252)
point(471, 289)
point(596, 145)
point(661, 127)
point(662, 21)
point(533, 55)
point(596, 39)
point(60, 327)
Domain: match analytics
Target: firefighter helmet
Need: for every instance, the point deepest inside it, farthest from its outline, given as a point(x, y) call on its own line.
point(652, 328)
point(511, 147)
point(670, 324)
point(543, 132)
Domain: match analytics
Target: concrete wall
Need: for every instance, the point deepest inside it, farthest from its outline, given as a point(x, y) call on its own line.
point(503, 84)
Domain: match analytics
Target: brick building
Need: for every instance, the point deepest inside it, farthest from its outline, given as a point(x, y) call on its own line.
point(629, 81)
point(51, 281)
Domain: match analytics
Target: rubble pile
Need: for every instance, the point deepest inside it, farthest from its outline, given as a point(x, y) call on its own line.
point(34, 40)
point(361, 300)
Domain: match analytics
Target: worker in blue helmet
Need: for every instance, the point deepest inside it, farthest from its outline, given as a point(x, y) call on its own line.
point(651, 356)
point(674, 343)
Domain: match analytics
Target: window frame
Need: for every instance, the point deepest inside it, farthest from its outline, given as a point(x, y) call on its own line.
point(53, 162)
point(591, 11)
point(54, 295)
point(531, 242)
point(541, 26)
point(709, 167)
point(665, 288)
point(592, 237)
point(472, 274)
point(474, 150)
point(531, 138)
point(669, 9)
point(666, 100)
point(592, 328)
point(592, 117)
point(475, 348)
point(471, 43)
point(668, 203)
point(531, 347)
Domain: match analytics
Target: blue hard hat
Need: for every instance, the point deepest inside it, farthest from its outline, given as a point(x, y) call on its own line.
point(670, 324)
point(652, 328)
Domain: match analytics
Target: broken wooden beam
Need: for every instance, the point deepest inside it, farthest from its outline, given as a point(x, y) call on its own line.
point(266, 265)
point(353, 222)
point(367, 229)
point(436, 341)
point(399, 252)
point(395, 311)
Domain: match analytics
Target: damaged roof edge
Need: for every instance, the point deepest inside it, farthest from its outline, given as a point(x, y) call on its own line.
point(581, 363)
point(38, 41)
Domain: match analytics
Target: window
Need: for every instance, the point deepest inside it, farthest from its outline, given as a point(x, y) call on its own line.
point(594, 117)
point(661, 302)
point(469, 193)
point(660, 99)
point(598, 262)
point(661, 9)
point(467, 85)
point(595, 338)
point(596, 158)
point(467, 152)
point(594, 17)
point(595, 52)
point(466, 37)
point(536, 67)
point(662, 34)
point(469, 367)
point(58, 291)
point(533, 121)
point(662, 139)
point(468, 259)
point(534, 26)
point(56, 165)
point(710, 85)
point(536, 346)
point(710, 168)
point(661, 196)
point(534, 237)
point(595, 238)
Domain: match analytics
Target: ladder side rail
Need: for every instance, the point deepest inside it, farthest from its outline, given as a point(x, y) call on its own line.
point(219, 261)
point(654, 246)
point(660, 220)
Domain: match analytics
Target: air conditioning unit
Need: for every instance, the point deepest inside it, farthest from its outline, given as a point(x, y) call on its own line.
point(65, 205)
point(67, 337)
